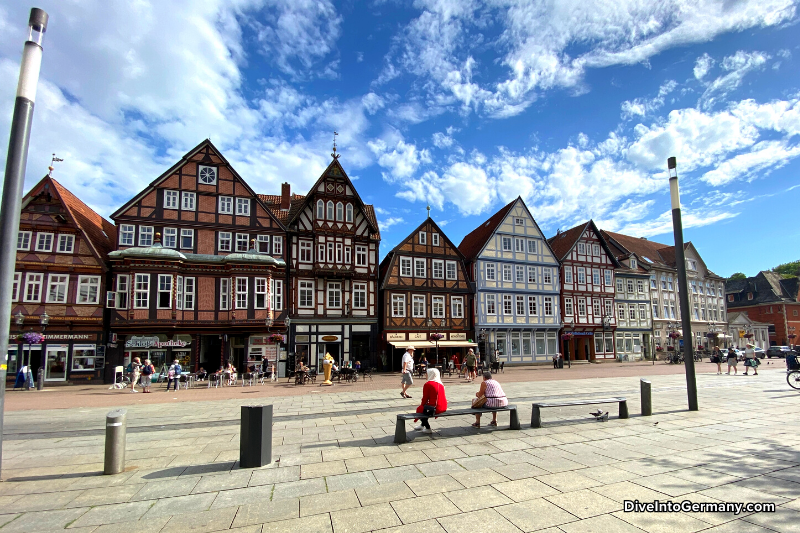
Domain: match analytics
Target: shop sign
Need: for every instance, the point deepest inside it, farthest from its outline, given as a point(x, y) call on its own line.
point(417, 336)
point(153, 342)
point(68, 337)
point(331, 338)
point(395, 336)
point(301, 338)
point(458, 336)
point(112, 344)
point(584, 333)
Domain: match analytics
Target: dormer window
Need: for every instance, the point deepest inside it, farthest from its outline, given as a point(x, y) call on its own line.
point(633, 263)
point(749, 295)
point(207, 175)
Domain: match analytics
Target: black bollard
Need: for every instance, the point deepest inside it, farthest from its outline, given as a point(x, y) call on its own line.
point(646, 397)
point(255, 439)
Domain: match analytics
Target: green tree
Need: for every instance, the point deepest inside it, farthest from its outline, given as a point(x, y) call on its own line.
point(788, 270)
point(737, 275)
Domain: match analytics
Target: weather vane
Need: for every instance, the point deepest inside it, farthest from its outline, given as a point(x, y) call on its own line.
point(334, 154)
point(53, 161)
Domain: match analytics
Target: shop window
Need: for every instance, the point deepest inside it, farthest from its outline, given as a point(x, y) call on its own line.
point(552, 343)
point(598, 344)
point(541, 343)
point(84, 357)
point(501, 344)
point(527, 346)
point(515, 344)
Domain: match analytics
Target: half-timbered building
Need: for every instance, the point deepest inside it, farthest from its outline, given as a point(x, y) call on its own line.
point(587, 292)
point(516, 308)
point(425, 291)
point(334, 241)
point(59, 283)
point(199, 270)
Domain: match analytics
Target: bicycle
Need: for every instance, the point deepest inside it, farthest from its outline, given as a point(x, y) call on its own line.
point(793, 371)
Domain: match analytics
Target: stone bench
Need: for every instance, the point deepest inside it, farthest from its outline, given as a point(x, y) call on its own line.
point(536, 414)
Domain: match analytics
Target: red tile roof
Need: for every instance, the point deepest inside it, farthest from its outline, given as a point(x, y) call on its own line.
point(273, 202)
point(651, 251)
point(472, 244)
point(562, 243)
point(101, 234)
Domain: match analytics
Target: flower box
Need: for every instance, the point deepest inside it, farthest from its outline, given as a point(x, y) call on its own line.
point(276, 338)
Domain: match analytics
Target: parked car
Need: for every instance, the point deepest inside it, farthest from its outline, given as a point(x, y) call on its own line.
point(760, 353)
point(777, 351)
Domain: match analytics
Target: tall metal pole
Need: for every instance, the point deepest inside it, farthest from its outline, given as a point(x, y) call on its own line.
point(683, 284)
point(16, 160)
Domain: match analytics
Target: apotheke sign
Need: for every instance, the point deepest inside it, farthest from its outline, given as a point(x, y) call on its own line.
point(153, 342)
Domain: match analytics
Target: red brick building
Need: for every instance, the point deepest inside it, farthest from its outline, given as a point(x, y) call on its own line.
point(767, 297)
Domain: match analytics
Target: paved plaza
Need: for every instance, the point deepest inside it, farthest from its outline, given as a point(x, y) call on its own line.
point(337, 469)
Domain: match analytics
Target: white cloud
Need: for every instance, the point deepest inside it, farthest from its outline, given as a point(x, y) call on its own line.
point(372, 103)
point(387, 223)
point(663, 223)
point(402, 159)
point(441, 140)
point(766, 155)
point(643, 106)
point(702, 66)
point(738, 66)
point(466, 186)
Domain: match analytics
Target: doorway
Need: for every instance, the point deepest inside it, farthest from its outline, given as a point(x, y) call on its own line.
point(336, 353)
point(359, 350)
point(56, 366)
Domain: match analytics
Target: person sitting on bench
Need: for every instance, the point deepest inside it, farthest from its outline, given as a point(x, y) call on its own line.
point(495, 397)
point(433, 402)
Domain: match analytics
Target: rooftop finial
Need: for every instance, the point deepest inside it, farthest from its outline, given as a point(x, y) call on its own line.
point(53, 161)
point(429, 211)
point(334, 154)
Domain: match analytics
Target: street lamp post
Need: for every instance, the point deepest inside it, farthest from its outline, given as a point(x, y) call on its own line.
point(680, 259)
point(16, 161)
point(569, 347)
point(44, 320)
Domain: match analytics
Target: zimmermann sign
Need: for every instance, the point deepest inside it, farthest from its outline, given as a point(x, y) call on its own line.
point(153, 342)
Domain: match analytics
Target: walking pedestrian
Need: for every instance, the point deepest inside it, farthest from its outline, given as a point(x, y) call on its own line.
point(433, 402)
point(470, 361)
point(750, 360)
point(408, 369)
point(136, 370)
point(494, 397)
point(732, 361)
point(147, 371)
point(173, 375)
point(716, 357)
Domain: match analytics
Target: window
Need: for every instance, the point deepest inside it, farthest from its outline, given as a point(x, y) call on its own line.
point(608, 308)
point(630, 285)
point(696, 312)
point(621, 311)
point(506, 304)
point(84, 357)
point(532, 310)
point(451, 270)
point(520, 300)
point(44, 242)
point(170, 199)
point(438, 269)
point(435, 239)
point(548, 306)
point(671, 311)
point(581, 275)
point(16, 286)
point(121, 300)
point(607, 276)
point(398, 305)
point(596, 307)
point(330, 252)
point(348, 258)
point(547, 274)
point(652, 281)
point(187, 238)
point(66, 244)
point(437, 306)
point(361, 258)
point(491, 301)
point(419, 268)
point(359, 295)
point(418, 306)
point(405, 265)
point(179, 292)
point(126, 232)
point(320, 210)
point(226, 205)
point(749, 295)
point(669, 283)
point(340, 212)
point(242, 242)
point(595, 249)
point(663, 282)
point(188, 200)
point(581, 248)
point(170, 239)
point(506, 272)
point(506, 244)
point(224, 241)
point(700, 289)
point(457, 307)
point(260, 292)
point(349, 213)
point(242, 286)
point(141, 290)
point(719, 291)
point(33, 287)
point(620, 287)
point(164, 291)
point(243, 207)
point(531, 246)
point(596, 276)
point(224, 294)
point(633, 263)
point(207, 175)
point(568, 306)
point(88, 289)
point(640, 286)
point(188, 293)
point(531, 274)
point(519, 245)
point(490, 272)
point(306, 294)
point(632, 312)
point(277, 245)
point(519, 221)
point(330, 210)
point(691, 264)
point(642, 312)
point(655, 308)
point(57, 289)
point(339, 252)
point(567, 274)
point(335, 295)
point(276, 294)
point(581, 307)
point(145, 235)
point(24, 239)
point(305, 252)
point(423, 237)
point(262, 244)
point(520, 274)
point(730, 297)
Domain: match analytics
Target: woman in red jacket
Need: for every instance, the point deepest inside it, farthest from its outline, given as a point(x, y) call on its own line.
point(433, 400)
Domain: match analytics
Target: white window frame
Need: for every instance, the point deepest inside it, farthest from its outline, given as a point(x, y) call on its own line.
point(164, 287)
point(184, 233)
point(242, 285)
point(581, 248)
point(406, 267)
point(508, 305)
point(607, 276)
point(179, 293)
point(260, 293)
point(508, 275)
point(188, 201)
point(320, 210)
point(581, 276)
point(169, 238)
point(434, 239)
point(437, 267)
point(305, 290)
point(491, 272)
point(547, 275)
point(57, 280)
point(348, 256)
point(595, 249)
point(451, 270)
point(222, 238)
point(437, 307)
point(25, 237)
point(225, 294)
point(306, 251)
point(361, 255)
point(423, 237)
point(359, 292)
point(242, 238)
point(519, 302)
point(262, 239)
point(568, 274)
point(420, 268)
point(519, 245)
point(122, 294)
point(125, 231)
point(596, 276)
point(145, 233)
point(189, 292)
point(491, 304)
point(533, 306)
point(457, 306)
point(33, 280)
point(242, 207)
point(349, 213)
point(331, 209)
point(15, 288)
point(339, 212)
point(519, 221)
point(41, 240)
point(277, 245)
point(581, 307)
point(531, 246)
point(171, 199)
point(64, 238)
point(88, 282)
point(398, 305)
point(141, 292)
point(225, 205)
point(506, 240)
point(568, 308)
point(519, 274)
point(200, 168)
point(334, 292)
point(549, 306)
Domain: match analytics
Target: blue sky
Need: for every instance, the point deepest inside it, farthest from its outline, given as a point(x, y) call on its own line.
point(459, 104)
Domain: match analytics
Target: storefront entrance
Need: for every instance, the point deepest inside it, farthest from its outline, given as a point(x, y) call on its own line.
point(334, 350)
point(359, 349)
point(56, 365)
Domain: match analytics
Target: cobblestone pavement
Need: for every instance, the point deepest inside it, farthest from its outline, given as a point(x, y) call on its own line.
point(338, 470)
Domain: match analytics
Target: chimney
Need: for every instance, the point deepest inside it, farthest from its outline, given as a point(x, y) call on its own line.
point(286, 196)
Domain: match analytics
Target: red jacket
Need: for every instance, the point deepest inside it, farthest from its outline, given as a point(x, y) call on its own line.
point(433, 394)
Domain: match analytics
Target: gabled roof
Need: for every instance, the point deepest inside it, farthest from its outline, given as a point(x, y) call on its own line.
point(472, 244)
point(273, 202)
point(396, 249)
point(645, 249)
point(736, 317)
point(99, 233)
point(369, 211)
point(766, 286)
point(185, 159)
point(563, 243)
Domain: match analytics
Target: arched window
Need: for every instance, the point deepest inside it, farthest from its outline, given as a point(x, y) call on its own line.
point(330, 210)
point(339, 212)
point(349, 212)
point(320, 209)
